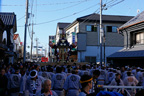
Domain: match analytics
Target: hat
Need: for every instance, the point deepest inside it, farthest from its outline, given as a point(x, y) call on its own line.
point(33, 73)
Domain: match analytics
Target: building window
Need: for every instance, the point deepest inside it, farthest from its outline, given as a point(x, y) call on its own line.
point(111, 28)
point(140, 38)
point(68, 32)
point(91, 28)
point(60, 31)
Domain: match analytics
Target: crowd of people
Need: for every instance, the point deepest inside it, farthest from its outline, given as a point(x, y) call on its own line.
point(31, 79)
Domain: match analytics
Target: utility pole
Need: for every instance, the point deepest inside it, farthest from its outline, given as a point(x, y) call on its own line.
point(31, 42)
point(101, 32)
point(25, 33)
point(36, 47)
point(104, 40)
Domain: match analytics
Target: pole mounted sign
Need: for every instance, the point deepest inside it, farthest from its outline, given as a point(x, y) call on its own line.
point(73, 37)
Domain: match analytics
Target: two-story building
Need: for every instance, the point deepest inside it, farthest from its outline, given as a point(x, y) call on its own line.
point(133, 52)
point(84, 33)
point(60, 30)
point(9, 21)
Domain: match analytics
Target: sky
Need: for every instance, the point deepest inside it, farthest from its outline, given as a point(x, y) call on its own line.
point(47, 13)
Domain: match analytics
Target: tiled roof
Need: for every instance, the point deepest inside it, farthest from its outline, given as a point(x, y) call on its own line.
point(137, 51)
point(15, 36)
point(133, 21)
point(8, 18)
point(63, 25)
point(96, 17)
point(127, 54)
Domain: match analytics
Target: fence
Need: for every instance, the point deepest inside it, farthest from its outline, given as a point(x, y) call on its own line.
point(121, 87)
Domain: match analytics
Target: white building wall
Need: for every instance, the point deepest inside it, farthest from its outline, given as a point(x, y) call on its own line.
point(4, 36)
point(94, 51)
point(92, 48)
point(57, 35)
point(69, 33)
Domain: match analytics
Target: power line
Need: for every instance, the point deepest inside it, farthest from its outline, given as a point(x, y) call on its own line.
point(111, 1)
point(65, 16)
point(21, 18)
point(21, 26)
point(77, 13)
point(62, 8)
point(97, 11)
point(59, 3)
point(111, 5)
point(87, 19)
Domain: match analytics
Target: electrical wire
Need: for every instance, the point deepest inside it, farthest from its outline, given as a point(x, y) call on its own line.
point(62, 17)
point(102, 9)
point(111, 1)
point(59, 3)
point(77, 13)
point(111, 5)
point(62, 8)
point(21, 26)
point(66, 16)
point(87, 19)
point(69, 15)
point(21, 18)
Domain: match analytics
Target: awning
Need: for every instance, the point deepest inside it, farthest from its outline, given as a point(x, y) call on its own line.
point(124, 54)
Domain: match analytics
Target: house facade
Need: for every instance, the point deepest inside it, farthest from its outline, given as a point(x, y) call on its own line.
point(9, 21)
point(60, 30)
point(133, 52)
point(84, 33)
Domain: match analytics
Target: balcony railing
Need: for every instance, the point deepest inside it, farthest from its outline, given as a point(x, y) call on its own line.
point(125, 88)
